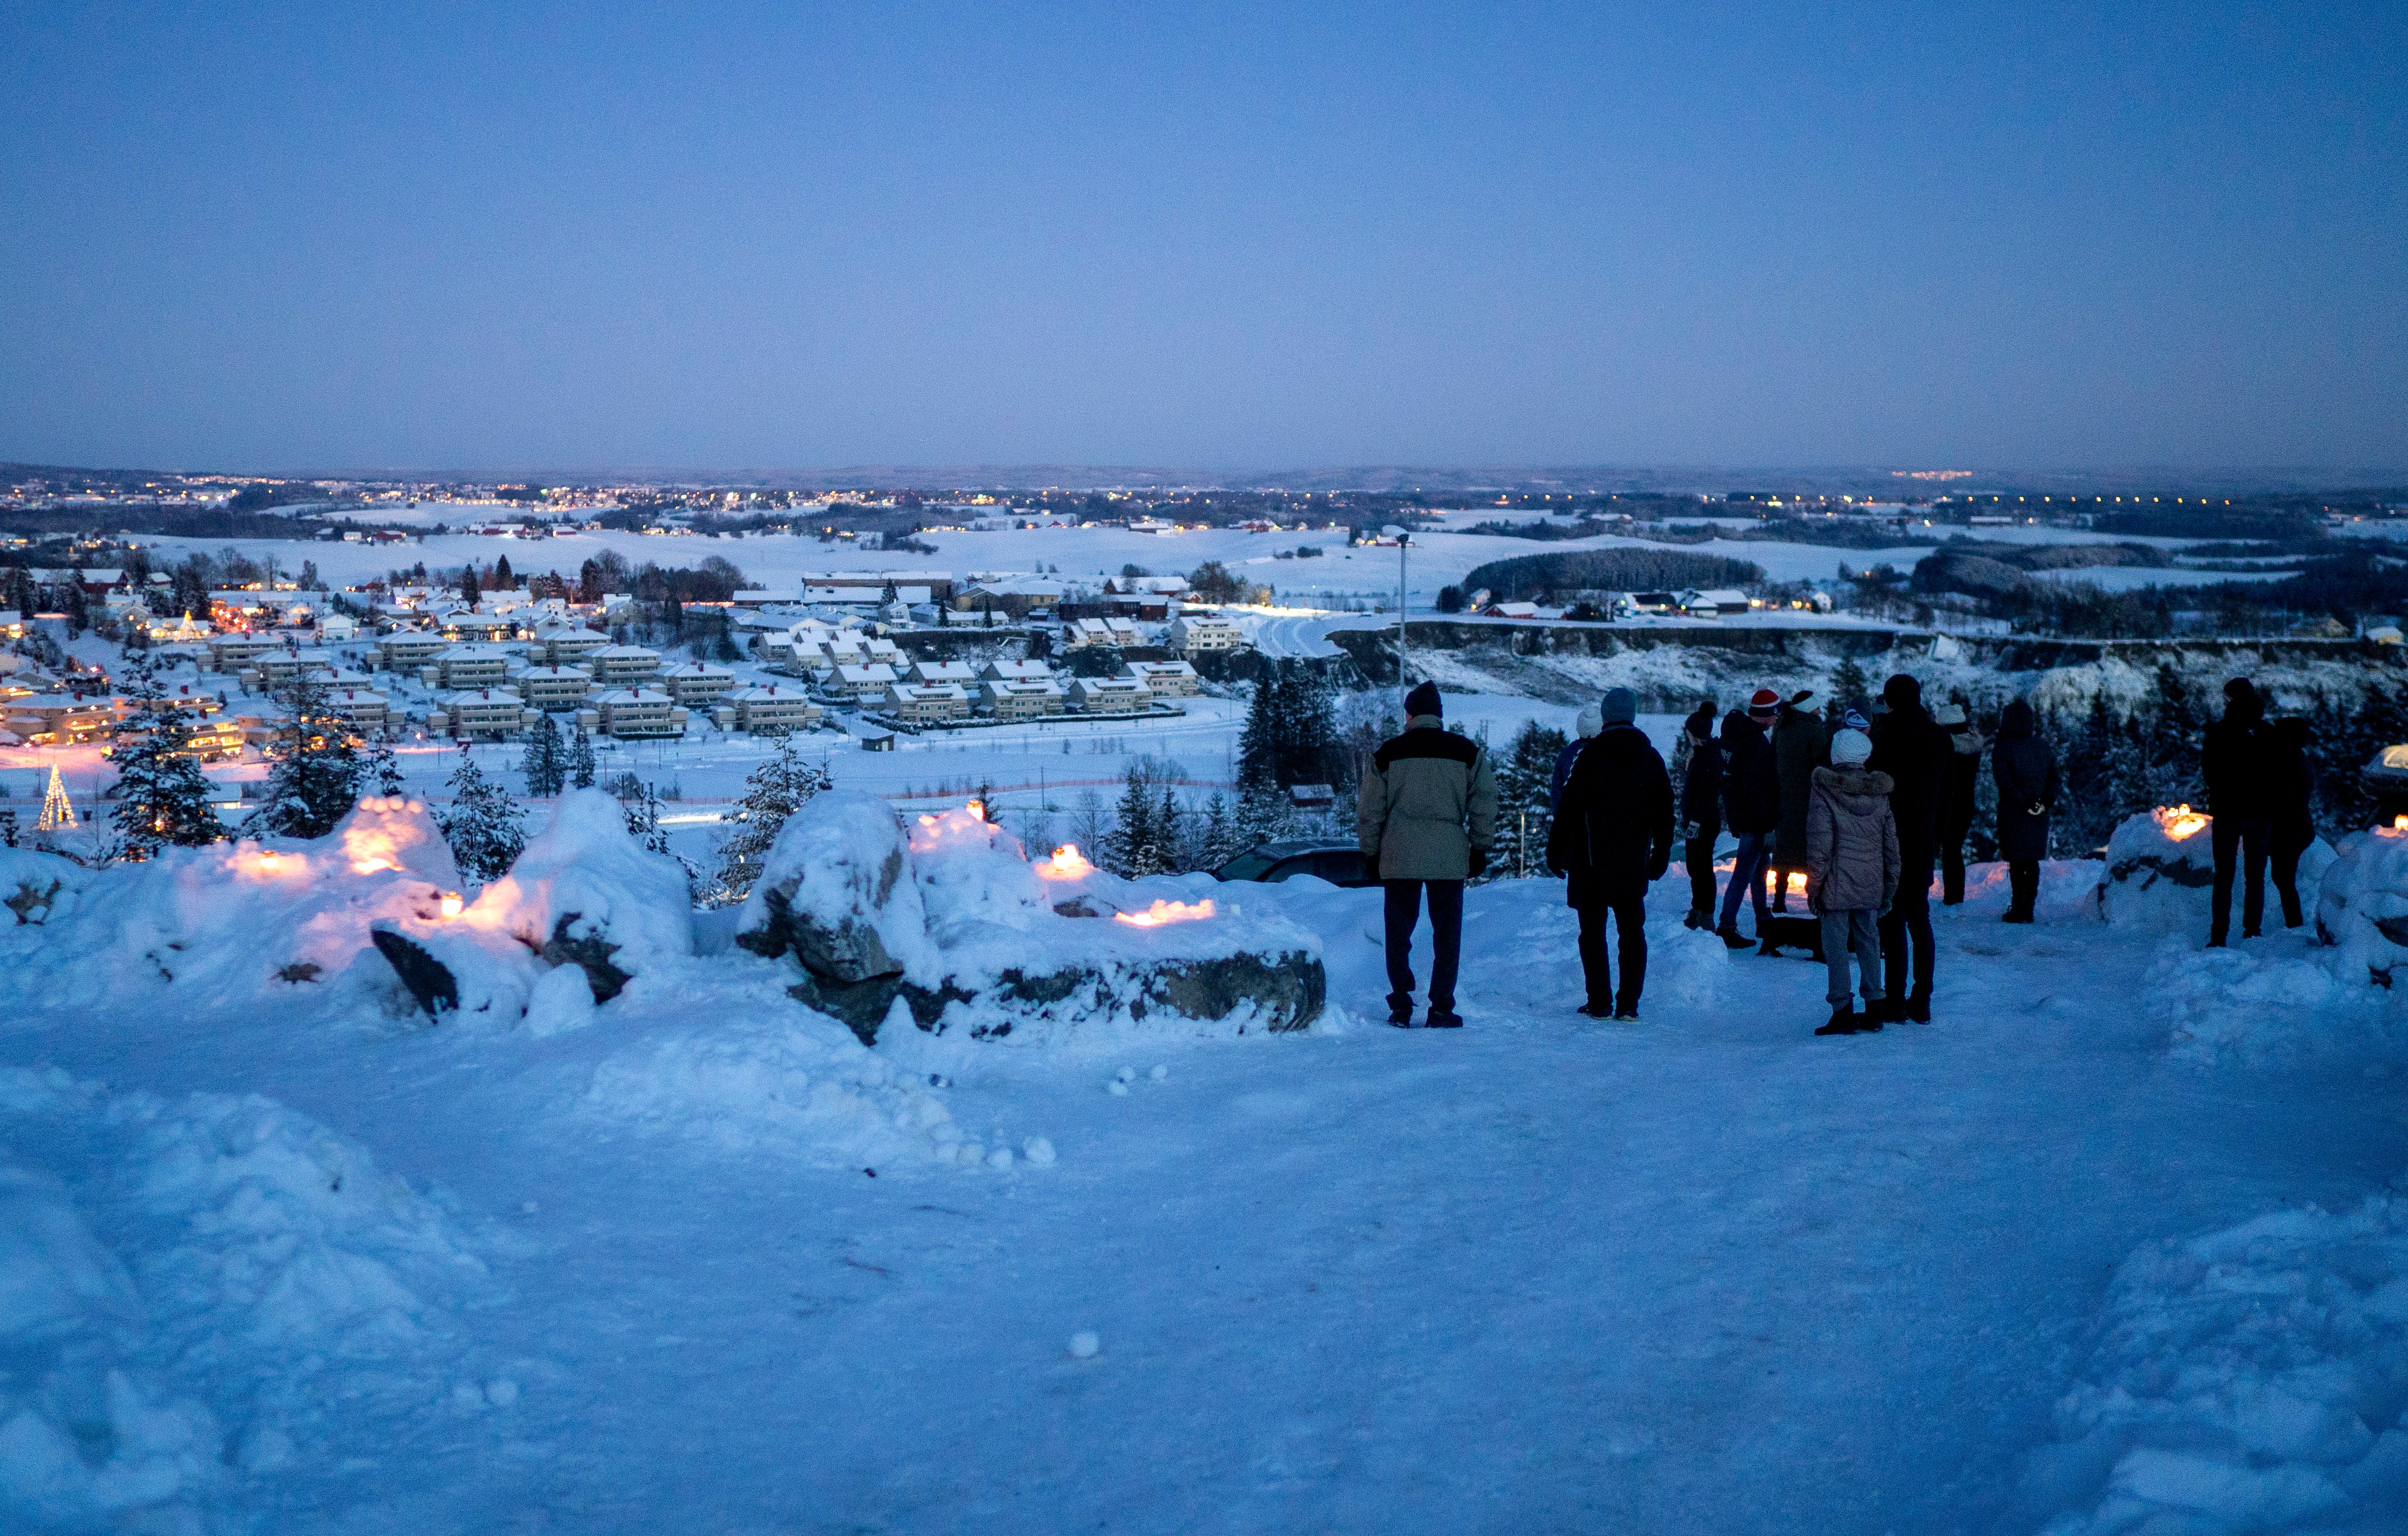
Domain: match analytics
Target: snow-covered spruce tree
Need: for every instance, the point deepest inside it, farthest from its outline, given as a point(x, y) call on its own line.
point(1524, 776)
point(385, 768)
point(1264, 814)
point(1218, 835)
point(1848, 686)
point(8, 831)
point(1132, 849)
point(161, 799)
point(1170, 834)
point(315, 780)
point(580, 760)
point(1308, 729)
point(544, 766)
point(778, 788)
point(2172, 745)
point(1258, 744)
point(482, 824)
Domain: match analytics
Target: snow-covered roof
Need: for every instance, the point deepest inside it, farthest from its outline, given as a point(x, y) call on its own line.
point(616, 696)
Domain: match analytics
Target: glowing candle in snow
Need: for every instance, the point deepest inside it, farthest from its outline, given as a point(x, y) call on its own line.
point(1166, 911)
point(267, 861)
point(450, 904)
point(2400, 823)
point(1068, 863)
point(2179, 822)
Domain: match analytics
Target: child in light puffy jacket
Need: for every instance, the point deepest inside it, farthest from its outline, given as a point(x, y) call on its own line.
point(1852, 867)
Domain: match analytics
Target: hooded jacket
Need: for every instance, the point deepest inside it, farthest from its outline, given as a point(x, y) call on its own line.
point(1613, 835)
point(1427, 799)
point(2025, 771)
point(2291, 783)
point(1702, 786)
point(1751, 787)
point(1957, 784)
point(1852, 856)
point(1801, 744)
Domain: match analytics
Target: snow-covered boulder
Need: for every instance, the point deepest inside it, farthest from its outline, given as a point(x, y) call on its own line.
point(2159, 866)
point(952, 923)
point(2362, 900)
point(837, 892)
point(585, 893)
point(37, 886)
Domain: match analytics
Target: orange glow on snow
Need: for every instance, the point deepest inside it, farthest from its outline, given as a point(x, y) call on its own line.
point(2179, 822)
point(1166, 911)
point(1068, 863)
point(450, 903)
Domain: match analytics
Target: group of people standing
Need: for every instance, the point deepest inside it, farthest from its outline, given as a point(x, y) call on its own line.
point(1865, 811)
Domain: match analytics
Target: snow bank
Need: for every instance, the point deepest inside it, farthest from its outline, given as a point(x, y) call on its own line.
point(2362, 902)
point(36, 887)
point(954, 922)
point(2258, 1005)
point(2160, 865)
point(2069, 891)
point(184, 1283)
point(2251, 1380)
point(585, 893)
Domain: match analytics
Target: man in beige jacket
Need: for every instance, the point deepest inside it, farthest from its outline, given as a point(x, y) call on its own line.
point(1426, 816)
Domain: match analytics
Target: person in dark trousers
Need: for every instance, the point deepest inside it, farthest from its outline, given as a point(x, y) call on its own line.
point(1701, 813)
point(1611, 839)
point(1751, 809)
point(1426, 817)
point(1852, 861)
point(1957, 799)
point(1801, 744)
point(2234, 761)
point(2290, 789)
point(1914, 752)
point(2025, 771)
point(1588, 725)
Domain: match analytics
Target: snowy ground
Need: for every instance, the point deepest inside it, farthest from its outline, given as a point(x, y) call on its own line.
point(707, 1265)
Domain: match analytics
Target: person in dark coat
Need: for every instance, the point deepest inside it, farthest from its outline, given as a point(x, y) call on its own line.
point(2290, 786)
point(1701, 813)
point(1751, 808)
point(1957, 799)
point(1914, 752)
point(1801, 744)
point(1611, 838)
point(2234, 761)
point(2025, 771)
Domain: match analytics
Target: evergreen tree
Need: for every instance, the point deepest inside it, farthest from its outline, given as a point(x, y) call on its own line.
point(469, 584)
point(544, 767)
point(79, 607)
point(161, 797)
point(1219, 836)
point(315, 778)
point(1264, 814)
point(2088, 811)
point(673, 614)
point(8, 831)
point(385, 768)
point(1170, 834)
point(1308, 727)
point(2172, 747)
point(503, 580)
point(1523, 775)
point(1258, 744)
point(1132, 849)
point(644, 820)
point(778, 786)
point(483, 825)
point(580, 760)
point(1848, 685)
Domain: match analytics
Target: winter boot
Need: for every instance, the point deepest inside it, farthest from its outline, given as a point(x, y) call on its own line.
point(1731, 939)
point(1918, 1008)
point(1401, 1017)
point(1843, 1022)
point(1625, 1014)
point(2017, 915)
point(1442, 1021)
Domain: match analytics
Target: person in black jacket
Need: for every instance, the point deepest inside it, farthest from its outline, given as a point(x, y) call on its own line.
point(2025, 771)
point(1957, 799)
point(1910, 748)
point(1701, 814)
point(1751, 809)
point(2290, 785)
point(2234, 761)
point(1611, 838)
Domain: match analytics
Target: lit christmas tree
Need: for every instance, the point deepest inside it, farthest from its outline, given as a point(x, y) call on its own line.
point(57, 815)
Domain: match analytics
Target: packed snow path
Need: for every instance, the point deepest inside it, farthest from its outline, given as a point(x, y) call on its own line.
point(1706, 1273)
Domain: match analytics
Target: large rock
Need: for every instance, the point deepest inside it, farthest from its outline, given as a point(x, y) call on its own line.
point(585, 893)
point(837, 893)
point(2161, 872)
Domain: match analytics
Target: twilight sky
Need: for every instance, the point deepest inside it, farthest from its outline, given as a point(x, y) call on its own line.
point(281, 236)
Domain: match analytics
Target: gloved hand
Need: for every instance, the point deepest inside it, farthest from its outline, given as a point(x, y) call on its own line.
point(2036, 808)
point(1479, 863)
point(1371, 866)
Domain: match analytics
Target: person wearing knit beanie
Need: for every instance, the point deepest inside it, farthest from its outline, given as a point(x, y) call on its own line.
point(1851, 749)
point(1426, 820)
point(1590, 723)
point(1851, 872)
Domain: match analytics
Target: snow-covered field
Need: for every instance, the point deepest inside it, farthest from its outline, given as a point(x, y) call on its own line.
point(286, 1259)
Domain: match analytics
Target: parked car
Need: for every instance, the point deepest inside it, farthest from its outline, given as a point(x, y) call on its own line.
point(1335, 862)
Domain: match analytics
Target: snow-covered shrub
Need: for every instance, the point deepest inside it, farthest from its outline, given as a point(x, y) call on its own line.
point(182, 1282)
point(2251, 1380)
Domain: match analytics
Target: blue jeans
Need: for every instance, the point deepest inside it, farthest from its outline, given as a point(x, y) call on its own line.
point(1857, 929)
point(1402, 904)
point(1747, 874)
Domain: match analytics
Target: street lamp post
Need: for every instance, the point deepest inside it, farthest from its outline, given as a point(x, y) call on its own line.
point(1404, 684)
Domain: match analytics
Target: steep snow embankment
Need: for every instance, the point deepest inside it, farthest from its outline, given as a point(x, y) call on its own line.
point(188, 1289)
point(2251, 1380)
